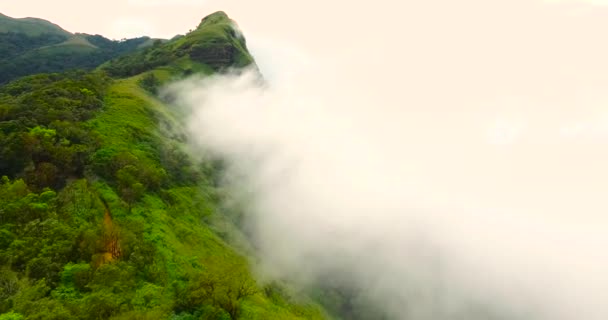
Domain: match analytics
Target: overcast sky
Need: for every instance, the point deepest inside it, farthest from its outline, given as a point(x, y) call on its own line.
point(479, 124)
point(492, 108)
point(166, 18)
point(117, 18)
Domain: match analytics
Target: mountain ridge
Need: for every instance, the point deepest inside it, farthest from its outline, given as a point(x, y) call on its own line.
point(103, 212)
point(31, 45)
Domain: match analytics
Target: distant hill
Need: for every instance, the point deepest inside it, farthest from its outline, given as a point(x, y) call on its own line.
point(30, 46)
point(30, 26)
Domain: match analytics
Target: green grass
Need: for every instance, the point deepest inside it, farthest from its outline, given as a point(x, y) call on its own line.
point(77, 40)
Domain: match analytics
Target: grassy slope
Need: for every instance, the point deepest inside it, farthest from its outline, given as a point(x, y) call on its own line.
point(133, 117)
point(128, 123)
point(78, 40)
point(73, 47)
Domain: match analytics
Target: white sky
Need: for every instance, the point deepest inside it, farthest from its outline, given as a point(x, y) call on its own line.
point(166, 18)
point(497, 104)
point(116, 18)
point(489, 115)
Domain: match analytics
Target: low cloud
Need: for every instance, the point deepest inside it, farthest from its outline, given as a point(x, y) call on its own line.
point(427, 166)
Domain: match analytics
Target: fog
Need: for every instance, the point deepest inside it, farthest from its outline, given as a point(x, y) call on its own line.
point(446, 159)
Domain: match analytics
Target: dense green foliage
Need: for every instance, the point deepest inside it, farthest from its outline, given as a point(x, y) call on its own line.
point(13, 44)
point(43, 133)
point(25, 56)
point(103, 215)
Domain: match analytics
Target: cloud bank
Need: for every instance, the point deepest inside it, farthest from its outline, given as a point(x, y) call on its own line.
point(445, 159)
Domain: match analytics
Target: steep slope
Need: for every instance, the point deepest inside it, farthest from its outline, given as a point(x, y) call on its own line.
point(216, 43)
point(103, 214)
point(29, 46)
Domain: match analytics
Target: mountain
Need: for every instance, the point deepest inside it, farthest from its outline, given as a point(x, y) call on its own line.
point(30, 46)
point(215, 43)
point(30, 26)
point(103, 212)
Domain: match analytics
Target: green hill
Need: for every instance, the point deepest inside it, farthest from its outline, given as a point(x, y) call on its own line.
point(103, 214)
point(30, 46)
point(215, 43)
point(30, 26)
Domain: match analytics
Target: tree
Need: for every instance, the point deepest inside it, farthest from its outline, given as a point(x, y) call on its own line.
point(150, 83)
point(128, 185)
point(9, 284)
point(224, 286)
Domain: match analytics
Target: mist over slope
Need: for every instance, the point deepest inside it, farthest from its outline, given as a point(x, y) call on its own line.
point(442, 160)
point(103, 212)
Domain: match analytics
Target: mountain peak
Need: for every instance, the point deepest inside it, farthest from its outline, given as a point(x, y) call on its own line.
point(215, 18)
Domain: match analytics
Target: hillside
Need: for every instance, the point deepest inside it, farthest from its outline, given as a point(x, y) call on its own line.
point(103, 213)
point(30, 46)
